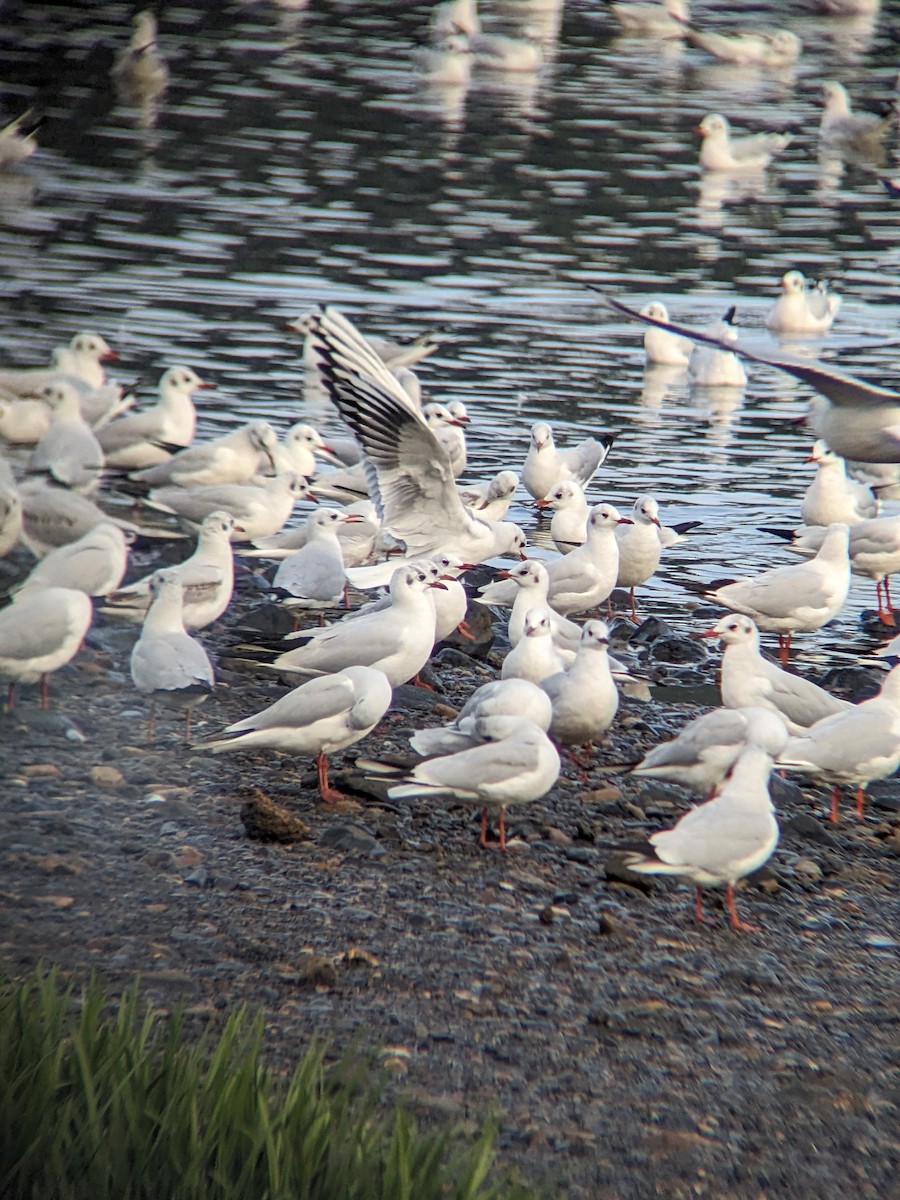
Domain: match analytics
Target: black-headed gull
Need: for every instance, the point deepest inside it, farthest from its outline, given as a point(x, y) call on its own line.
point(842, 129)
point(662, 348)
point(448, 429)
point(568, 525)
point(853, 747)
point(82, 357)
point(139, 71)
point(10, 511)
point(166, 662)
point(534, 657)
point(759, 47)
point(644, 18)
point(516, 763)
point(721, 151)
point(314, 575)
point(317, 718)
point(794, 599)
point(397, 640)
point(207, 577)
point(712, 367)
point(454, 16)
point(723, 840)
point(69, 452)
point(409, 472)
point(531, 588)
point(23, 421)
point(259, 510)
point(53, 516)
point(832, 495)
point(585, 699)
point(748, 680)
point(801, 309)
point(546, 465)
point(357, 538)
point(491, 500)
point(94, 563)
point(17, 140)
point(40, 632)
point(639, 545)
point(704, 751)
point(231, 458)
point(141, 439)
point(297, 451)
point(500, 698)
point(858, 420)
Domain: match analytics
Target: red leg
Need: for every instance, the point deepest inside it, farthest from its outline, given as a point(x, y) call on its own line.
point(835, 798)
point(45, 692)
point(736, 922)
point(784, 648)
point(888, 615)
point(465, 630)
point(346, 596)
point(634, 615)
point(502, 827)
point(420, 682)
point(860, 801)
point(698, 905)
point(482, 841)
point(326, 791)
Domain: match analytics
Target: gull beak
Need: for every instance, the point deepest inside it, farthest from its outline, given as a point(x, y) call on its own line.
point(542, 504)
point(656, 522)
point(504, 575)
point(627, 521)
point(206, 383)
point(707, 633)
point(353, 518)
point(436, 583)
point(110, 356)
point(467, 567)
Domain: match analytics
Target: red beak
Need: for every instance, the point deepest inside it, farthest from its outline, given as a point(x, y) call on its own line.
point(110, 356)
point(437, 584)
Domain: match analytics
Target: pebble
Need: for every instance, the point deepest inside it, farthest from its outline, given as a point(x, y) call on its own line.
point(107, 777)
point(808, 869)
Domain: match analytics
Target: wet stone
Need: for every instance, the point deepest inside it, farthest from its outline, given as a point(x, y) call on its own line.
point(353, 839)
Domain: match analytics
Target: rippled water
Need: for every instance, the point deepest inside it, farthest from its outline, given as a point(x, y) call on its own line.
point(298, 159)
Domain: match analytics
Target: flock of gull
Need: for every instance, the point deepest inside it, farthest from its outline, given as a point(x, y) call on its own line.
point(392, 514)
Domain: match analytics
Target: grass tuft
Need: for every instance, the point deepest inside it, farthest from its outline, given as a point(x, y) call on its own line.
point(103, 1103)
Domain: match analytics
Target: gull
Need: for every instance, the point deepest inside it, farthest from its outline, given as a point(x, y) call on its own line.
point(397, 640)
point(534, 657)
point(639, 545)
point(747, 680)
point(531, 585)
point(496, 52)
point(501, 697)
point(849, 8)
point(800, 309)
point(297, 451)
point(259, 511)
point(317, 718)
point(853, 747)
point(761, 47)
point(409, 472)
point(315, 574)
point(794, 599)
point(723, 840)
point(345, 485)
point(491, 500)
point(858, 420)
point(10, 510)
point(662, 20)
point(546, 466)
point(661, 347)
point(357, 538)
point(142, 439)
point(832, 496)
point(82, 357)
point(516, 763)
point(712, 367)
point(94, 564)
point(448, 62)
point(454, 16)
point(448, 429)
point(874, 549)
point(568, 526)
point(17, 140)
point(23, 421)
point(840, 128)
point(207, 578)
point(232, 458)
point(722, 152)
point(53, 516)
point(394, 355)
point(584, 698)
point(705, 750)
point(40, 632)
point(69, 452)
point(139, 71)
point(166, 662)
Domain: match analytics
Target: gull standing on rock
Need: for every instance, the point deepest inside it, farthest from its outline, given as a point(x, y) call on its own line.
point(720, 151)
point(750, 681)
point(545, 465)
point(794, 599)
point(705, 750)
point(40, 632)
point(585, 699)
point(166, 662)
point(500, 698)
point(142, 439)
point(723, 840)
point(318, 717)
point(853, 747)
point(315, 575)
point(207, 577)
point(534, 657)
point(801, 309)
point(408, 469)
point(491, 500)
point(640, 546)
point(516, 763)
point(531, 588)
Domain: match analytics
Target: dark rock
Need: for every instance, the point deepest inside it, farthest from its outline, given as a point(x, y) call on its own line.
point(805, 828)
point(618, 871)
point(352, 838)
point(678, 649)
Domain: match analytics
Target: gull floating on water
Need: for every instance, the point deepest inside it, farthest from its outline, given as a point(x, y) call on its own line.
point(832, 496)
point(661, 347)
point(546, 465)
point(723, 840)
point(319, 717)
point(801, 309)
point(712, 367)
point(516, 763)
point(82, 357)
point(746, 47)
point(748, 680)
point(841, 129)
point(721, 151)
point(660, 20)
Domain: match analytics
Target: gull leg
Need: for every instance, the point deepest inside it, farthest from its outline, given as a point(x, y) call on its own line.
point(634, 615)
point(835, 798)
point(45, 692)
point(736, 922)
point(860, 801)
point(698, 905)
point(784, 648)
point(888, 615)
point(501, 823)
point(465, 630)
point(326, 791)
point(482, 841)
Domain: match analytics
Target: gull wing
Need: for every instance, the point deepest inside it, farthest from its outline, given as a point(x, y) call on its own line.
point(836, 386)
